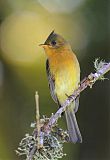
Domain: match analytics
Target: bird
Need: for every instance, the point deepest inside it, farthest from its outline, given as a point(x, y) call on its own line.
point(63, 74)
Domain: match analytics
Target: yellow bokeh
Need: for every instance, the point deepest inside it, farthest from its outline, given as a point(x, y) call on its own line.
point(22, 32)
point(20, 35)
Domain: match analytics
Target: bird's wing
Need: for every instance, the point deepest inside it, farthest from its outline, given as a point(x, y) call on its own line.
point(51, 82)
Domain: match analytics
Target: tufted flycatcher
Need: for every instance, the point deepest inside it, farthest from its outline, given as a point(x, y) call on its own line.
point(63, 72)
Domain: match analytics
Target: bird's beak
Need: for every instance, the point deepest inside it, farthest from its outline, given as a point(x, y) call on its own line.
point(42, 45)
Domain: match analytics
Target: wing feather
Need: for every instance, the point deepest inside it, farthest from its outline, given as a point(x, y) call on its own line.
point(51, 81)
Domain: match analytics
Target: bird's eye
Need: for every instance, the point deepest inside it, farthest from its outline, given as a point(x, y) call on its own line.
point(53, 43)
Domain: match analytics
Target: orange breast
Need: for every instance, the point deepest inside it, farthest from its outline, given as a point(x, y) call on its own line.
point(66, 70)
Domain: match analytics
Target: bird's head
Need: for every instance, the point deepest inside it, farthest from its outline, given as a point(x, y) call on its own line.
point(54, 44)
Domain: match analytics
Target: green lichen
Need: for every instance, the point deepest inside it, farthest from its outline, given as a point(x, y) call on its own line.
point(99, 64)
point(52, 145)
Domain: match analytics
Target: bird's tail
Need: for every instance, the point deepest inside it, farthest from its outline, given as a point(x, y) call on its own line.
point(73, 129)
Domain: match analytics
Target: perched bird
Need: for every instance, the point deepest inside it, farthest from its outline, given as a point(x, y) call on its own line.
point(63, 72)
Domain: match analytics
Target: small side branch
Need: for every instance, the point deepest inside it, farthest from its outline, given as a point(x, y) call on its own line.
point(37, 119)
point(103, 68)
point(38, 136)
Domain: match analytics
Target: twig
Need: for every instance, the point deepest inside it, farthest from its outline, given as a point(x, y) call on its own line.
point(37, 119)
point(39, 143)
point(32, 153)
point(38, 124)
point(88, 81)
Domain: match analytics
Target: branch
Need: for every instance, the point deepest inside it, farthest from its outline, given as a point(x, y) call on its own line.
point(101, 69)
point(38, 125)
point(37, 119)
point(38, 134)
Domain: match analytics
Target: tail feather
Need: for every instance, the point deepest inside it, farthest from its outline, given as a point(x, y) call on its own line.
point(73, 129)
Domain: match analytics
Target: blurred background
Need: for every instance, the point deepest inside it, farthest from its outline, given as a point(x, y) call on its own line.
point(24, 24)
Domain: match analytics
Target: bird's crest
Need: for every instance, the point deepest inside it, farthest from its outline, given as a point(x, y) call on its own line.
point(50, 37)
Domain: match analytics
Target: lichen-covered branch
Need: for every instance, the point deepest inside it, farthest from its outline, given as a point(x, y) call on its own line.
point(101, 69)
